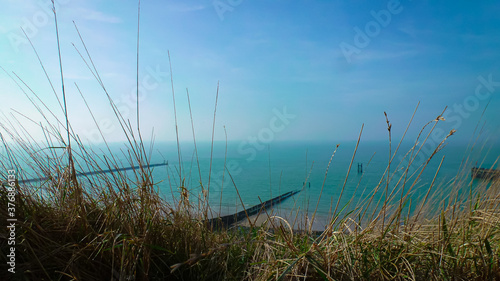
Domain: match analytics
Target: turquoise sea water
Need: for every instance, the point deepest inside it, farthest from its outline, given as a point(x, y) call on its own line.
point(261, 172)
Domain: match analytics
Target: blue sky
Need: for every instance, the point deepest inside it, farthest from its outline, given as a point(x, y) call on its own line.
point(288, 70)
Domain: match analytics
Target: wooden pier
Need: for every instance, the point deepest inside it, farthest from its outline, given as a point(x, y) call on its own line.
point(79, 174)
point(486, 174)
point(225, 221)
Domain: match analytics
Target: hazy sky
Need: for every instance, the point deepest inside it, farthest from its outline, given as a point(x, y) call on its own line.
point(288, 70)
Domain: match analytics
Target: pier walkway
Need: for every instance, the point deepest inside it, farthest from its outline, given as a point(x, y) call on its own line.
point(225, 221)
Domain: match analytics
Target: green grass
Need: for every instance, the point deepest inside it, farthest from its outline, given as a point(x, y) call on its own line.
point(116, 226)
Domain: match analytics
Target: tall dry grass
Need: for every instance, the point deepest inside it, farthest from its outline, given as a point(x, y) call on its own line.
point(116, 226)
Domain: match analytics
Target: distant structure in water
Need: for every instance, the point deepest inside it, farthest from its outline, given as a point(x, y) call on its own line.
point(79, 174)
point(487, 174)
point(360, 168)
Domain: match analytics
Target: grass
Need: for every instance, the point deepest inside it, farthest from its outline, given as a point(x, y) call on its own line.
point(116, 226)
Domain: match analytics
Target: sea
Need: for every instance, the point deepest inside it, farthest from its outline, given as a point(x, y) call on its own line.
point(332, 177)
